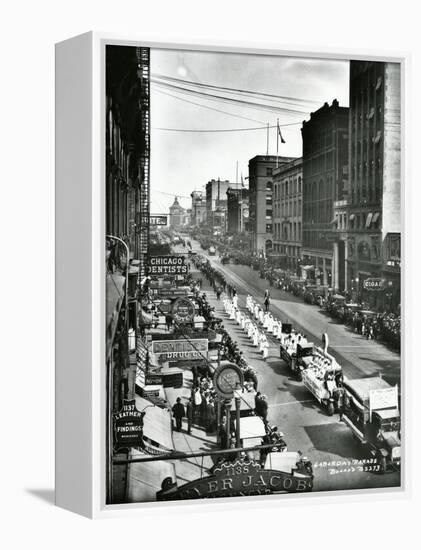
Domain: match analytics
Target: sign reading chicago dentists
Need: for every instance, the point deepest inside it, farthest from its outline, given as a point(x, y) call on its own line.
point(239, 478)
point(167, 265)
point(128, 426)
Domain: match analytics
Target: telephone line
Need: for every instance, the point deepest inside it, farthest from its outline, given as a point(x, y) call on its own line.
point(235, 90)
point(242, 102)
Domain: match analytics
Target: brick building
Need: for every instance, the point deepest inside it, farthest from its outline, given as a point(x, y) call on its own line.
point(369, 221)
point(287, 212)
point(260, 201)
point(325, 169)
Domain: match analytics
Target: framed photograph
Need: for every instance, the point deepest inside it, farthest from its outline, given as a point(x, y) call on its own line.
point(230, 299)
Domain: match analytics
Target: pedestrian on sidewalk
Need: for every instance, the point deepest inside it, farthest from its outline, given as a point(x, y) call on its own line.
point(168, 321)
point(178, 413)
point(267, 300)
point(189, 414)
point(218, 293)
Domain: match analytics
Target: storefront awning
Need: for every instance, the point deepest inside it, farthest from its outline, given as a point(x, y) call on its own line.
point(335, 220)
point(156, 424)
point(376, 217)
point(307, 267)
point(351, 217)
point(252, 426)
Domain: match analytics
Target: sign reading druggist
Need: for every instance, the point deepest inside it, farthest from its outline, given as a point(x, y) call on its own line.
point(167, 265)
point(180, 349)
point(128, 426)
point(373, 283)
point(183, 310)
point(240, 478)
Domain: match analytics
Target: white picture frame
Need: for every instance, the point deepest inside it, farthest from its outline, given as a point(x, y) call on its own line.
point(80, 274)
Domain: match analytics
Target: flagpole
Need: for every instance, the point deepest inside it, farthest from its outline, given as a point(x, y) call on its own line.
point(267, 140)
point(277, 141)
point(236, 176)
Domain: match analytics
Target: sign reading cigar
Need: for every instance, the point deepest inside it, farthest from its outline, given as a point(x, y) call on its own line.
point(180, 349)
point(128, 426)
point(239, 478)
point(167, 265)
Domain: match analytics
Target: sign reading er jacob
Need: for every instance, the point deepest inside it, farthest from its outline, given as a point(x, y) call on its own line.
point(128, 426)
point(167, 265)
point(239, 478)
point(180, 349)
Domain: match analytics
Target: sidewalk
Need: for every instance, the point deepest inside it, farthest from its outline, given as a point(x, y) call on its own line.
point(199, 440)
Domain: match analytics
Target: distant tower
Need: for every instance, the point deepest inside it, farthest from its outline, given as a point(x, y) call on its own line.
point(177, 213)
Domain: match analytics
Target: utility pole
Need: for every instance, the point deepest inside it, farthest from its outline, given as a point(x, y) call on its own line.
point(267, 140)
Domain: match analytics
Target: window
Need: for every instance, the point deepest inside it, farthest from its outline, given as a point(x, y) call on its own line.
point(268, 171)
point(269, 186)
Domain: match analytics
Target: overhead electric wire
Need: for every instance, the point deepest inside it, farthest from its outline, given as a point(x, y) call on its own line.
point(209, 107)
point(192, 130)
point(236, 90)
point(243, 103)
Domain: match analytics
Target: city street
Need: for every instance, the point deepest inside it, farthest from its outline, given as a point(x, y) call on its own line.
point(327, 442)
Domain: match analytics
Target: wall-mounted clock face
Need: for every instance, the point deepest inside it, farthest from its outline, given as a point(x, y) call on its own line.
point(228, 378)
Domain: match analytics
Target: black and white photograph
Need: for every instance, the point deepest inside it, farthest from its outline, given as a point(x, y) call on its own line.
point(253, 274)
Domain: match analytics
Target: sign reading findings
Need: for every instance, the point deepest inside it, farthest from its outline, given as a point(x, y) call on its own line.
point(167, 265)
point(128, 426)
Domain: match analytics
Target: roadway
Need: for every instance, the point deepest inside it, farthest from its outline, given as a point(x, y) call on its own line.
point(326, 441)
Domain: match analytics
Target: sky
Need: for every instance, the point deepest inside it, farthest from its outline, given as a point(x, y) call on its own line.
point(184, 161)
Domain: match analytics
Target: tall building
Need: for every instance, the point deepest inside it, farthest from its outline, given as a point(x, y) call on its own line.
point(287, 212)
point(127, 146)
point(198, 208)
point(369, 221)
point(260, 201)
point(177, 215)
point(127, 224)
point(325, 169)
point(237, 209)
point(216, 203)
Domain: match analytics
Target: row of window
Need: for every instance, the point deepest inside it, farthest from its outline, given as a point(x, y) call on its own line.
point(288, 187)
point(288, 208)
point(288, 231)
point(315, 239)
point(318, 212)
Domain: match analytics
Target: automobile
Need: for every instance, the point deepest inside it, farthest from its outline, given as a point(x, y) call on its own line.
point(372, 414)
point(212, 251)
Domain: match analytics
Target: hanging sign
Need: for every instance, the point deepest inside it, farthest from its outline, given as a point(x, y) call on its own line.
point(167, 265)
point(167, 350)
point(158, 220)
point(373, 283)
point(128, 426)
point(183, 310)
point(240, 478)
